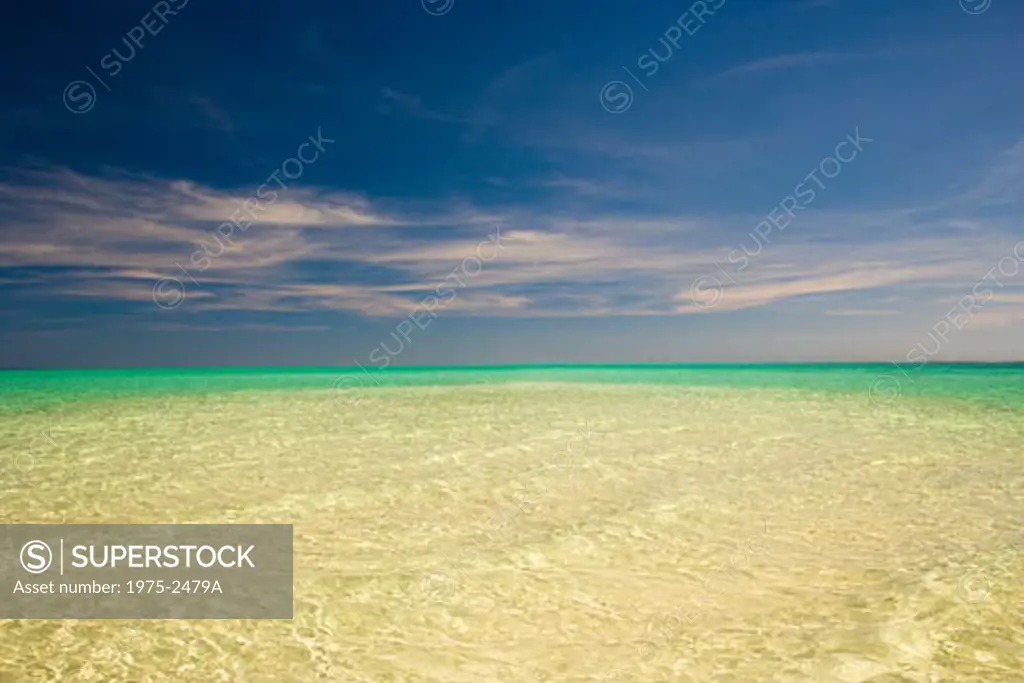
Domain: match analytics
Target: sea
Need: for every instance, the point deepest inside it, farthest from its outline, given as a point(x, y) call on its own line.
point(855, 523)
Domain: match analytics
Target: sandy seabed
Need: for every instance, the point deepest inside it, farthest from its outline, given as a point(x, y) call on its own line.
point(553, 532)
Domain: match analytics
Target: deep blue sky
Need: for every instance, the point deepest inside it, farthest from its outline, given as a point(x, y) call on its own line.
point(456, 120)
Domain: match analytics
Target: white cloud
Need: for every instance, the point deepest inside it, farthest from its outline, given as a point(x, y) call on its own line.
point(119, 233)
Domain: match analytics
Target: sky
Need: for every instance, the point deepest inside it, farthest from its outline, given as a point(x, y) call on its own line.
point(446, 182)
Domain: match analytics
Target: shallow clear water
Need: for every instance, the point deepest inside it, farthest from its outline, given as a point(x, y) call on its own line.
point(766, 523)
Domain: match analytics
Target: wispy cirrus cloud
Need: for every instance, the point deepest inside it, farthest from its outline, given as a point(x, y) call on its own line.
point(788, 62)
point(1002, 183)
point(852, 274)
point(212, 112)
point(111, 236)
point(866, 312)
point(237, 327)
point(413, 106)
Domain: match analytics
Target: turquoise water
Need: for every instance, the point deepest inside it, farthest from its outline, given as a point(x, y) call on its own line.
point(993, 384)
point(613, 524)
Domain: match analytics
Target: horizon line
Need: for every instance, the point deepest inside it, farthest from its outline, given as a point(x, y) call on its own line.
point(505, 366)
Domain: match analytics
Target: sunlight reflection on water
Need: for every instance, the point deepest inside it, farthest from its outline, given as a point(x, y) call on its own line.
point(553, 532)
